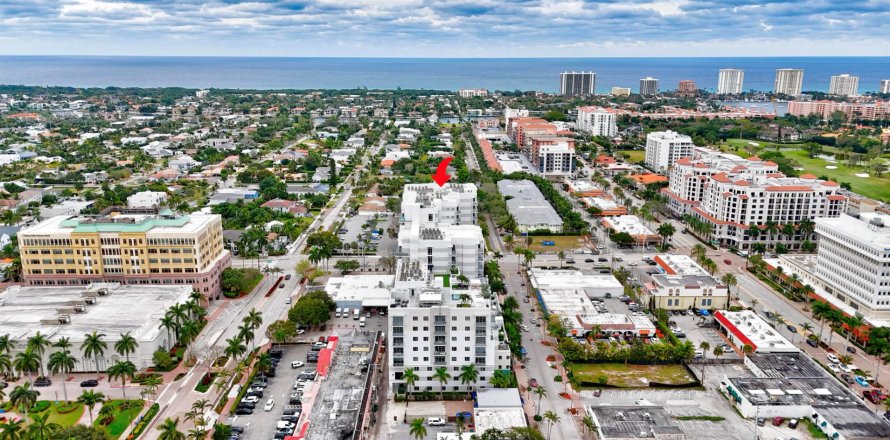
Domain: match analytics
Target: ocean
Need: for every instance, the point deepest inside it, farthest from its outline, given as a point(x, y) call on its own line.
point(541, 74)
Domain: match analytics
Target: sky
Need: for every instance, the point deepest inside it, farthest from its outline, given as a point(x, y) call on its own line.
point(445, 28)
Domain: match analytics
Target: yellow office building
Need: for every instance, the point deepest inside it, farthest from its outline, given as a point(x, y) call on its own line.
point(126, 248)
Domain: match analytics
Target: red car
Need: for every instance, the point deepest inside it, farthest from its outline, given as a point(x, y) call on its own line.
point(777, 421)
point(728, 261)
point(872, 396)
point(533, 383)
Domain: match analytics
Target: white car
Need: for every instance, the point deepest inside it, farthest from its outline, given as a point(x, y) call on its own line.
point(834, 360)
point(269, 404)
point(250, 399)
point(524, 327)
point(296, 364)
point(834, 368)
point(435, 421)
point(845, 368)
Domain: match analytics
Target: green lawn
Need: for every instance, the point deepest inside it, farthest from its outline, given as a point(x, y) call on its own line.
point(561, 243)
point(634, 156)
point(121, 419)
point(69, 419)
point(873, 187)
point(621, 375)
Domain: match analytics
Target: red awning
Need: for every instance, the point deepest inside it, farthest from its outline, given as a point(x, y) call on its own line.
point(324, 361)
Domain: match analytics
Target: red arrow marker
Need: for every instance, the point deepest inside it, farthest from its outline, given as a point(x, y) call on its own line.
point(441, 177)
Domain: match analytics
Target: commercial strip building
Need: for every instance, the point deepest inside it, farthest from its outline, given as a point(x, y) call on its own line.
point(361, 291)
point(665, 148)
point(528, 206)
point(789, 82)
point(143, 249)
point(844, 85)
point(434, 323)
point(852, 110)
point(730, 81)
point(577, 83)
point(498, 408)
point(597, 121)
point(73, 312)
point(633, 422)
point(683, 285)
point(747, 328)
point(604, 206)
point(631, 224)
point(582, 188)
point(734, 194)
point(438, 228)
point(791, 385)
point(567, 294)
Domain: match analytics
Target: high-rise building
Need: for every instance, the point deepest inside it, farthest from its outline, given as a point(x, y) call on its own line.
point(577, 83)
point(664, 148)
point(438, 228)
point(885, 86)
point(598, 121)
point(789, 82)
point(472, 93)
point(432, 325)
point(852, 260)
point(730, 81)
point(844, 85)
point(648, 86)
point(739, 197)
point(687, 87)
point(126, 248)
point(553, 155)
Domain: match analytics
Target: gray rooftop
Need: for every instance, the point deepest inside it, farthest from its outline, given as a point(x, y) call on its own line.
point(633, 421)
point(526, 203)
point(854, 421)
point(498, 398)
point(787, 365)
point(109, 308)
point(783, 392)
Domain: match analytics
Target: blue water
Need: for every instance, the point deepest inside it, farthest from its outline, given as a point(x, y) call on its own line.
point(422, 73)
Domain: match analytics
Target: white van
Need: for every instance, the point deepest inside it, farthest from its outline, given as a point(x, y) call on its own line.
point(339, 312)
point(361, 322)
point(355, 314)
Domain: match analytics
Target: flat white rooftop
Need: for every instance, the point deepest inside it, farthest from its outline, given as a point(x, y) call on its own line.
point(676, 264)
point(751, 329)
point(628, 223)
point(498, 418)
point(371, 290)
point(545, 279)
point(25, 310)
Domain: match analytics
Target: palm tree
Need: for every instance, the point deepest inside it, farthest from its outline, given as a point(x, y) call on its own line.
point(754, 303)
point(41, 428)
point(169, 324)
point(746, 350)
point(410, 378)
point(126, 345)
point(500, 379)
point(807, 328)
point(23, 397)
point(853, 324)
point(699, 252)
point(541, 392)
point(27, 362)
point(245, 332)
point(468, 375)
point(845, 359)
point(561, 255)
point(417, 430)
point(12, 430)
point(551, 418)
point(264, 362)
point(718, 351)
point(94, 347)
point(835, 317)
point(729, 280)
point(666, 231)
point(234, 348)
point(443, 377)
point(150, 385)
point(90, 399)
point(588, 424)
point(254, 319)
point(62, 362)
point(122, 370)
point(38, 343)
point(169, 430)
point(7, 344)
point(187, 334)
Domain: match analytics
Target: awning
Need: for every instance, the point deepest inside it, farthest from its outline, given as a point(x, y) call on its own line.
point(324, 361)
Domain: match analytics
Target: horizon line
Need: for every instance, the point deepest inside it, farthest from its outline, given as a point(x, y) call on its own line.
point(436, 58)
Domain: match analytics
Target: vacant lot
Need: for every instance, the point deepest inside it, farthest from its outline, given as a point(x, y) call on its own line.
point(560, 243)
point(633, 156)
point(630, 376)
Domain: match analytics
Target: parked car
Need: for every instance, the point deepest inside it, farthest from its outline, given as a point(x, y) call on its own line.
point(287, 277)
point(588, 260)
point(296, 364)
point(89, 383)
point(791, 328)
point(533, 383)
point(845, 368)
point(850, 349)
point(793, 423)
point(242, 411)
point(435, 421)
point(777, 421)
point(43, 382)
point(833, 359)
point(847, 378)
point(761, 421)
point(250, 405)
point(269, 404)
point(524, 327)
point(861, 381)
point(871, 396)
point(812, 342)
point(728, 262)
point(250, 399)
point(834, 368)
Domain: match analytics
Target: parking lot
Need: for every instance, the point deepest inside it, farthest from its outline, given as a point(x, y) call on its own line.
point(352, 231)
point(262, 424)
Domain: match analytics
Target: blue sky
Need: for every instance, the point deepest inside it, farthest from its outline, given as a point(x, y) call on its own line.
point(445, 28)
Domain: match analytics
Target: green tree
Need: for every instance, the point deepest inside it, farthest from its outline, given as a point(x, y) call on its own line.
point(666, 230)
point(27, 362)
point(170, 430)
point(41, 428)
point(235, 347)
point(39, 343)
point(417, 430)
point(541, 392)
point(551, 418)
point(23, 397)
point(309, 311)
point(80, 432)
point(410, 378)
point(729, 280)
point(443, 376)
point(90, 399)
point(122, 370)
point(93, 347)
point(62, 362)
point(126, 345)
point(468, 375)
point(12, 429)
point(347, 266)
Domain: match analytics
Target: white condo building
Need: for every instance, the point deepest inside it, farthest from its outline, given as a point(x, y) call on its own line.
point(739, 196)
point(598, 121)
point(789, 82)
point(885, 86)
point(577, 83)
point(438, 228)
point(664, 148)
point(844, 85)
point(434, 326)
point(649, 86)
point(730, 81)
point(853, 257)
